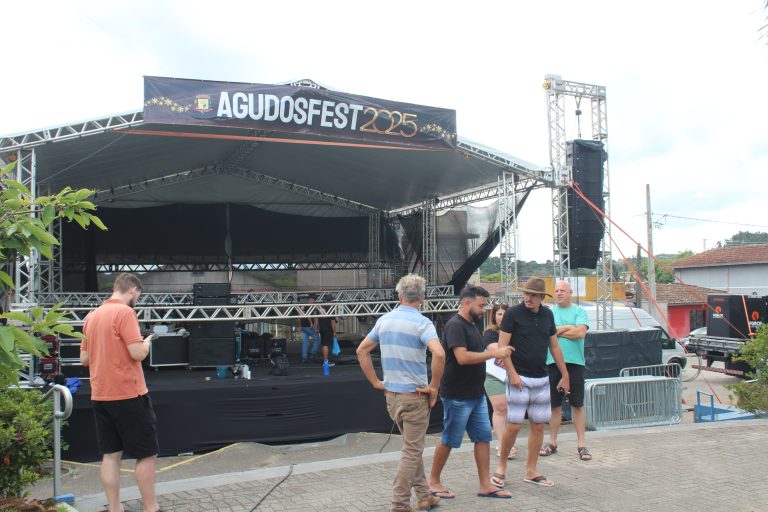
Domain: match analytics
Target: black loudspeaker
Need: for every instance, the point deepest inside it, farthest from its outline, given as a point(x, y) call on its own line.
point(214, 329)
point(211, 289)
point(275, 346)
point(735, 316)
point(585, 158)
point(213, 301)
point(208, 352)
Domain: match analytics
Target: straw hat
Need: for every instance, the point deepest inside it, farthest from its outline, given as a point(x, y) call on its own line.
point(535, 285)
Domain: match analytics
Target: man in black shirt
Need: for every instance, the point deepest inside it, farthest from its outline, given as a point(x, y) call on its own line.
point(530, 329)
point(463, 394)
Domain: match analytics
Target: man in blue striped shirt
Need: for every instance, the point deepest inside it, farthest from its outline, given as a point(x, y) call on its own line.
point(403, 336)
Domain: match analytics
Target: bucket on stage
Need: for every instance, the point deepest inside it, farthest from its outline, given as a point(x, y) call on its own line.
point(222, 372)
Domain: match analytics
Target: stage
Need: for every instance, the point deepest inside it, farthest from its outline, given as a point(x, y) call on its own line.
point(198, 412)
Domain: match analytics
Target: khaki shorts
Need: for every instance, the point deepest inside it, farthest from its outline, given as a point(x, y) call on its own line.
point(494, 386)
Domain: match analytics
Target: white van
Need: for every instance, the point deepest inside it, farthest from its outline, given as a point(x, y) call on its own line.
point(625, 317)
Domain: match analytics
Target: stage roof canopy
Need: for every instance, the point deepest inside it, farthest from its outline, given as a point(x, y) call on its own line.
point(132, 164)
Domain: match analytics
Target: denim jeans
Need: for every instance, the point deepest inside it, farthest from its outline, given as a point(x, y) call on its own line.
point(306, 333)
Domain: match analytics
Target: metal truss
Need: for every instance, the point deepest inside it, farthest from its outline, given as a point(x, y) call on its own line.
point(27, 270)
point(375, 263)
point(262, 312)
point(429, 241)
point(110, 194)
point(556, 90)
point(604, 310)
point(71, 131)
point(508, 206)
point(217, 267)
point(149, 299)
point(503, 162)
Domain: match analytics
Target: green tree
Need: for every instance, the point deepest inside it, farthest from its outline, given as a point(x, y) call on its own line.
point(24, 226)
point(752, 395)
point(748, 237)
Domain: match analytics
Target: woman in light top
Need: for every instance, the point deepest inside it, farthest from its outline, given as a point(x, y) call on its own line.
point(497, 389)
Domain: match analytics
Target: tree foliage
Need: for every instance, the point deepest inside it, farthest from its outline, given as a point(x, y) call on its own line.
point(752, 395)
point(24, 227)
point(748, 237)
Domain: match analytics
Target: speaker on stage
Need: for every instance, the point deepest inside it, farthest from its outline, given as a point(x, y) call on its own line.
point(208, 352)
point(212, 329)
point(211, 289)
point(585, 158)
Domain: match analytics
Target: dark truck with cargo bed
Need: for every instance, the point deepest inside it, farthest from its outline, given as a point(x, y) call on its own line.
point(732, 320)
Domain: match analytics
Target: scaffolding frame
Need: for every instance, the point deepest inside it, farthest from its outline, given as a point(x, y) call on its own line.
point(557, 90)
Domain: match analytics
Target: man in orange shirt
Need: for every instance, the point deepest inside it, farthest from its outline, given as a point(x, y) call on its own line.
point(125, 421)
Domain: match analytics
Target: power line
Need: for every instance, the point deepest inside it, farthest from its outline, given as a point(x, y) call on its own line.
point(711, 220)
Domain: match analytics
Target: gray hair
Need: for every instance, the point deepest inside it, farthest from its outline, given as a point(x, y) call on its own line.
point(411, 288)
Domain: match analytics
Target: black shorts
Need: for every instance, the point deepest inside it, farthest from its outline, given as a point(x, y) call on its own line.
point(326, 338)
point(576, 379)
point(126, 425)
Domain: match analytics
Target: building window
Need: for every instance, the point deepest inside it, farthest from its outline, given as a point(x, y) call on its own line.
point(698, 318)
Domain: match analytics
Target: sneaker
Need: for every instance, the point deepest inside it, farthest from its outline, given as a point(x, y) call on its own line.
point(331, 363)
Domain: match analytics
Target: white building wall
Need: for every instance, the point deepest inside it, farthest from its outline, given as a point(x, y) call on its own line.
point(741, 279)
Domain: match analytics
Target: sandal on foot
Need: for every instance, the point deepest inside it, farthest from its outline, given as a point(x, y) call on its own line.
point(548, 450)
point(498, 480)
point(539, 480)
point(584, 453)
point(512, 453)
point(445, 494)
point(495, 494)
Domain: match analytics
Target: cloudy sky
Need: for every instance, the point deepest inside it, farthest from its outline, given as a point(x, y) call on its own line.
point(686, 83)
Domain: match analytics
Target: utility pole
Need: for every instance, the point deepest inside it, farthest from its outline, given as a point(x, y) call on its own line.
point(651, 266)
point(638, 286)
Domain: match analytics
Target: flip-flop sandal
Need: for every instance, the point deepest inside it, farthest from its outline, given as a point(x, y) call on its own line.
point(584, 453)
point(512, 453)
point(498, 480)
point(539, 480)
point(495, 494)
point(445, 494)
point(548, 450)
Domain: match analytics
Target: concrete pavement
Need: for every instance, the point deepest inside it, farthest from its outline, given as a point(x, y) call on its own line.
point(718, 466)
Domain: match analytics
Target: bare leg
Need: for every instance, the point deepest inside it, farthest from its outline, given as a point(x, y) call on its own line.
point(325, 353)
point(554, 425)
point(580, 422)
point(110, 480)
point(145, 479)
point(535, 438)
point(507, 442)
point(483, 460)
point(499, 418)
point(438, 463)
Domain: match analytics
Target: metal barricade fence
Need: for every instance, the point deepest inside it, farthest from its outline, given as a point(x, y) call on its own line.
point(656, 370)
point(639, 401)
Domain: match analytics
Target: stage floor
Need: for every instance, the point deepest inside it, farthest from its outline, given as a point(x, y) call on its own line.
point(198, 412)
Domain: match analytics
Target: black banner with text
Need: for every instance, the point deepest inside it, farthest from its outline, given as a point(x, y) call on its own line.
point(296, 109)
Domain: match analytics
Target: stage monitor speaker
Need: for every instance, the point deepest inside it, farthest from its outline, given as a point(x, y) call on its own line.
point(208, 352)
point(213, 329)
point(585, 158)
point(213, 301)
point(211, 289)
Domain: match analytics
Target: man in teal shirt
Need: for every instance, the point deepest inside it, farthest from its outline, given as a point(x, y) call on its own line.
point(572, 323)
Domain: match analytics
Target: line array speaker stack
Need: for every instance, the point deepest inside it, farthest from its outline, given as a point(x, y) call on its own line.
point(585, 158)
point(212, 343)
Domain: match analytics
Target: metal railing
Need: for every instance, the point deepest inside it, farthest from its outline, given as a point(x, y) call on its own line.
point(638, 401)
point(59, 392)
point(673, 370)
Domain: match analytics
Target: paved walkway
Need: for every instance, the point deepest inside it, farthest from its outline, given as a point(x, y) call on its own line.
point(711, 467)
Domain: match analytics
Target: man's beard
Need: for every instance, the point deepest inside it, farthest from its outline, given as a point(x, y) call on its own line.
point(475, 317)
